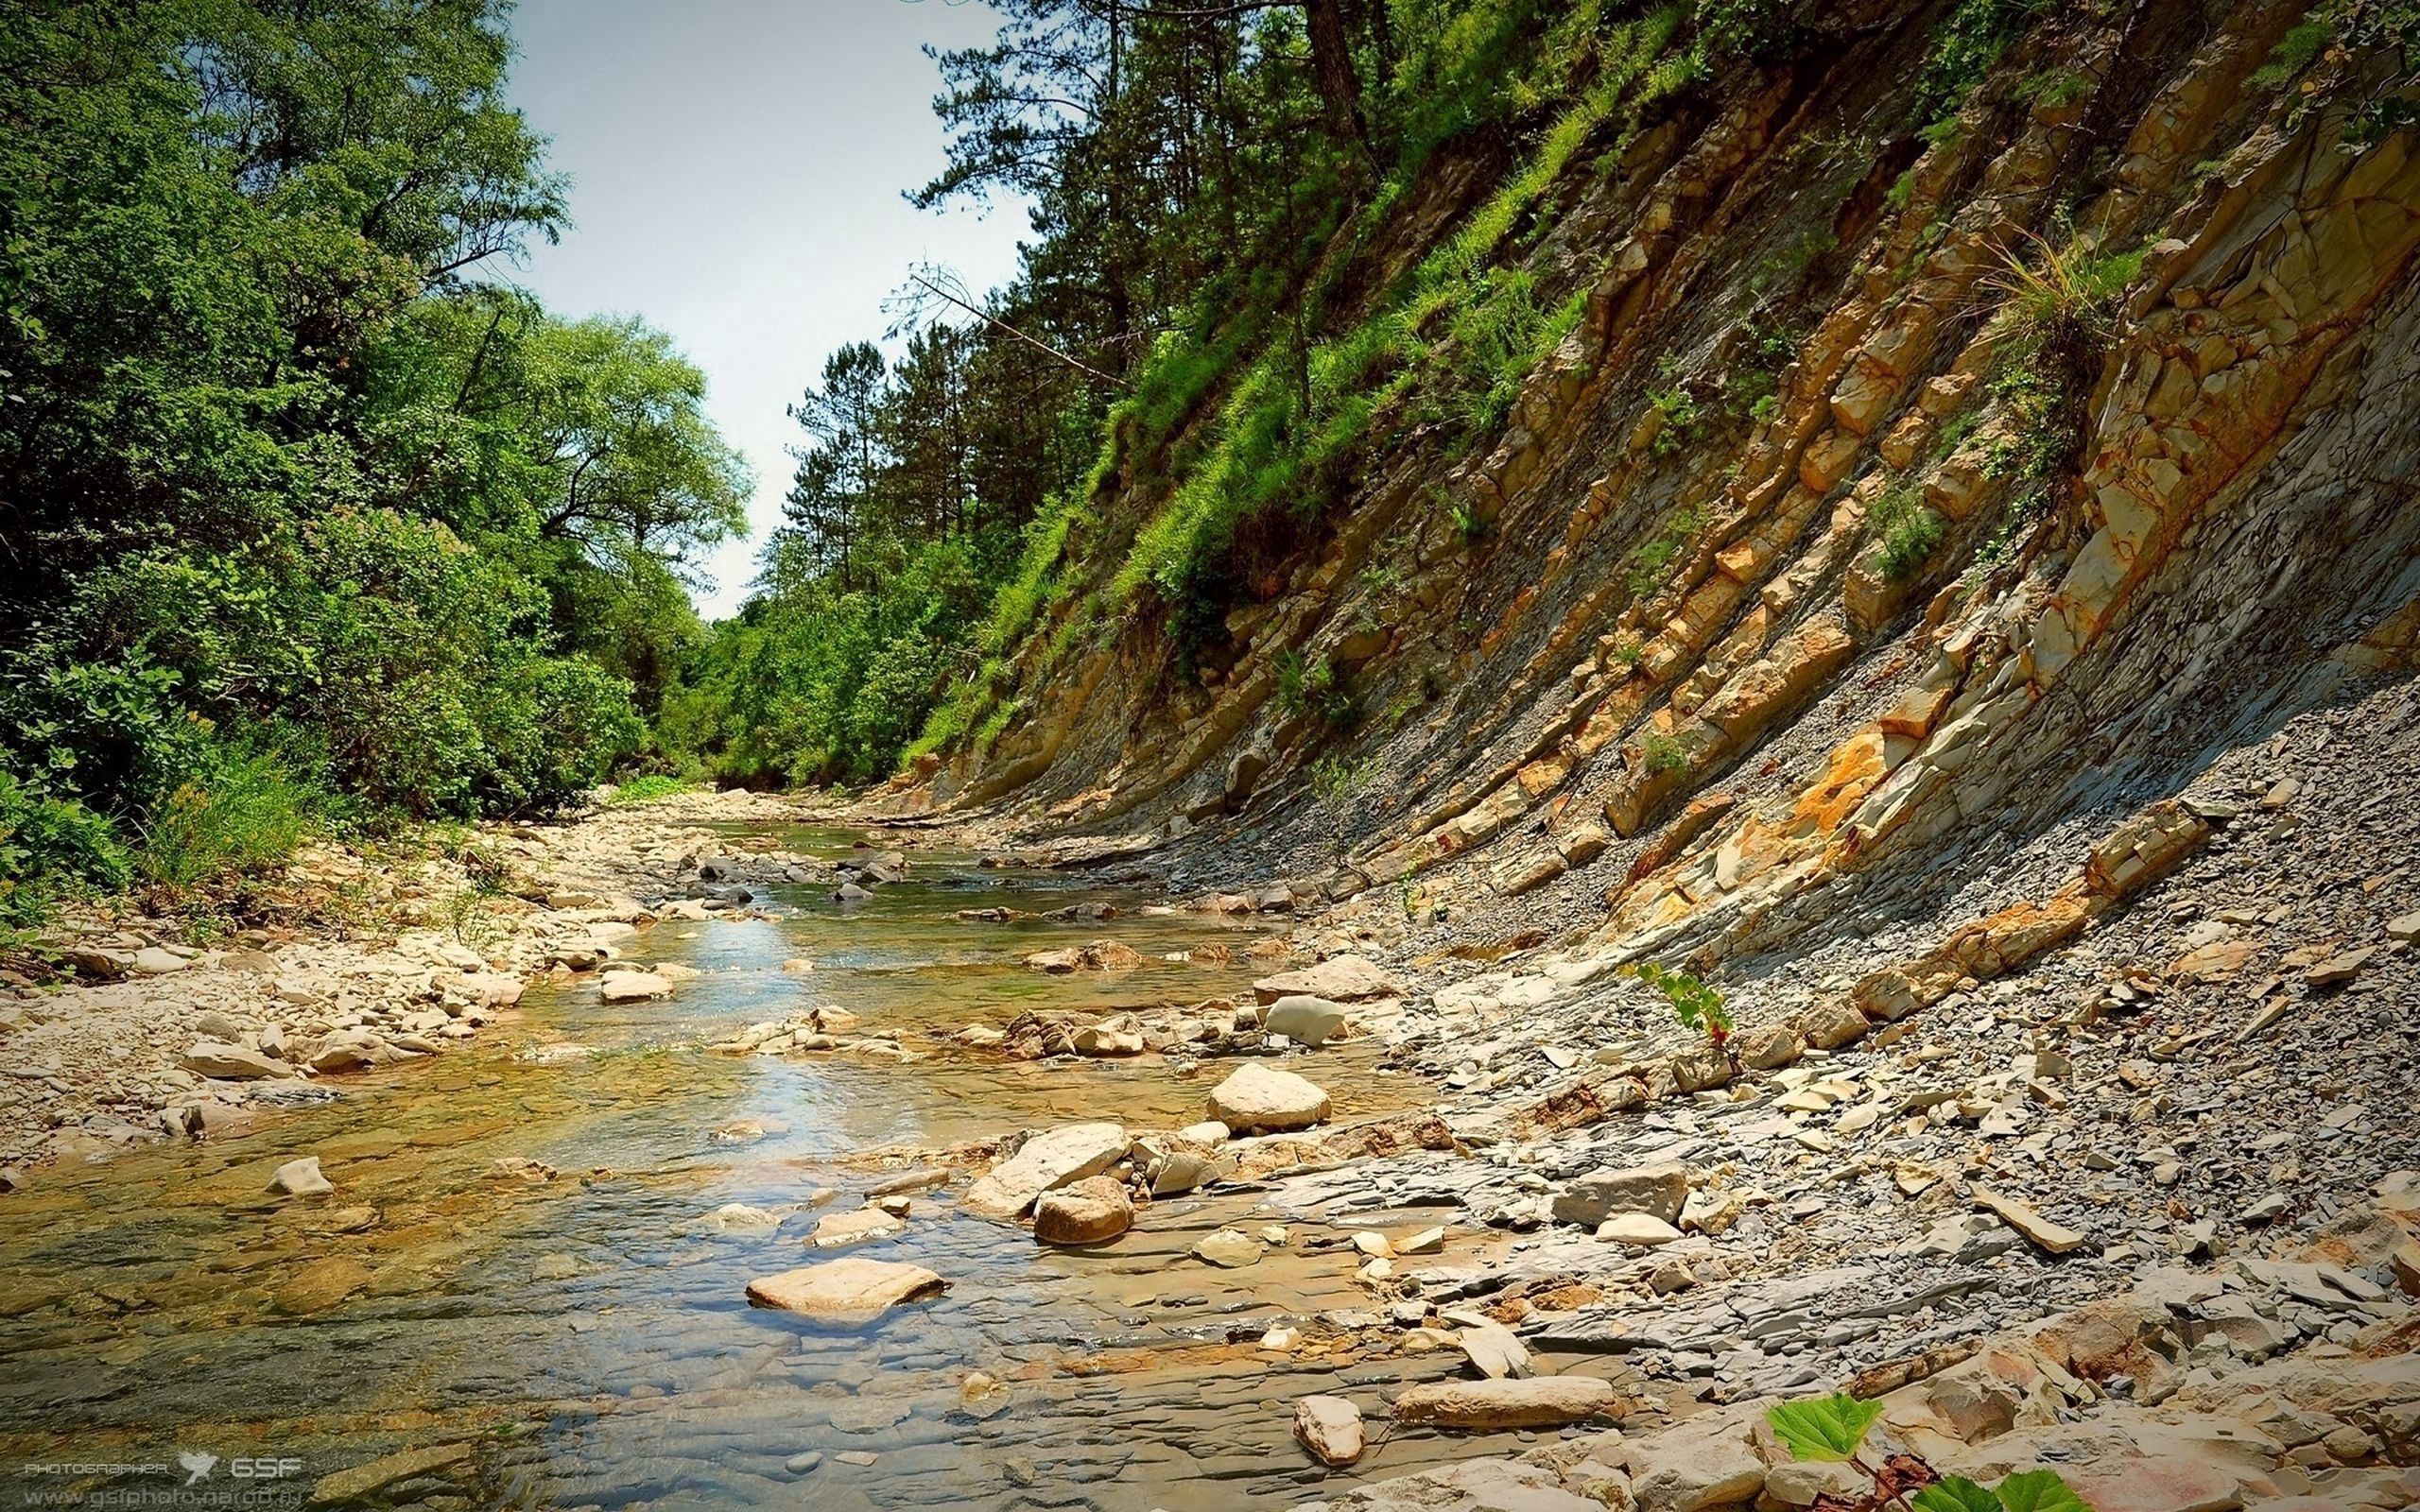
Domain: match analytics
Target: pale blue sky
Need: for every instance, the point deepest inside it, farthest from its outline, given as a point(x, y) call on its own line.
point(737, 167)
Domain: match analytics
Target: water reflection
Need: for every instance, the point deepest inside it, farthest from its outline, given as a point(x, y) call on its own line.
point(587, 1335)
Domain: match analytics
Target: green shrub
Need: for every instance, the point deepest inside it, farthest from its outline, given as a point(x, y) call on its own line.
point(49, 848)
point(1701, 1010)
point(1908, 531)
point(1660, 753)
point(242, 817)
point(652, 786)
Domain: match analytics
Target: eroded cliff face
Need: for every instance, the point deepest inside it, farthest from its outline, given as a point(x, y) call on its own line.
point(2085, 449)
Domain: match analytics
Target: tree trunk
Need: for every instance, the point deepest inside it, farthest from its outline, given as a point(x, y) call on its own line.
point(1332, 65)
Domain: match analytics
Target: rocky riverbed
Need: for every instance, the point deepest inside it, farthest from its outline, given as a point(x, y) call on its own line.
point(921, 1175)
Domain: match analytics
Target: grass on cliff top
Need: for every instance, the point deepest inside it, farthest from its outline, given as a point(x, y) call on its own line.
point(1468, 333)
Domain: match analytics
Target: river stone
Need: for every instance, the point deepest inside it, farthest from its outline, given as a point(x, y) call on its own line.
point(1640, 1230)
point(1257, 1099)
point(1108, 1040)
point(1658, 1191)
point(1228, 1250)
point(227, 1063)
point(300, 1178)
point(1090, 1212)
point(403, 1464)
point(1344, 979)
point(1540, 1402)
point(494, 989)
point(845, 1291)
point(1709, 1461)
point(632, 987)
point(1047, 1161)
point(834, 1230)
point(1305, 1020)
point(1494, 1351)
point(1330, 1427)
point(154, 961)
point(1057, 963)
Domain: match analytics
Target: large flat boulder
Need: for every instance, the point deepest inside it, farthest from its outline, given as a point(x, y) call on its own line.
point(1046, 1161)
point(221, 1061)
point(1259, 1099)
point(1658, 1191)
point(1342, 979)
point(845, 1291)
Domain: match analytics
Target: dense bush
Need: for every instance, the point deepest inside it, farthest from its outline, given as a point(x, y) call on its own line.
point(304, 521)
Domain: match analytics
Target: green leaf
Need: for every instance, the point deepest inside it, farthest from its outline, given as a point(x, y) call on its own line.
point(1954, 1493)
point(2039, 1491)
point(1826, 1428)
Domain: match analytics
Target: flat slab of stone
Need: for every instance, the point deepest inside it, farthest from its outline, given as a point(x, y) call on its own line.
point(1047, 1161)
point(1659, 1191)
point(1260, 1099)
point(834, 1230)
point(632, 987)
point(377, 1474)
point(1539, 1402)
point(845, 1291)
point(1342, 979)
point(221, 1061)
point(2053, 1238)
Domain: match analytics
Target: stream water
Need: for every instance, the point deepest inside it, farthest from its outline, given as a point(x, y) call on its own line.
point(585, 1341)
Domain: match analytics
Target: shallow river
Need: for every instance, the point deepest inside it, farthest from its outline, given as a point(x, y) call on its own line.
point(584, 1342)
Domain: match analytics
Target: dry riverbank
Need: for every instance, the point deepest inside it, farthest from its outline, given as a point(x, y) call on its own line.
point(145, 1030)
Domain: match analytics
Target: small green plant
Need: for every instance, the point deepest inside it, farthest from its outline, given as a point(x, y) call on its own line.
point(2054, 87)
point(1340, 780)
point(2026, 1491)
point(1908, 530)
point(1902, 190)
point(1648, 562)
point(1470, 527)
point(1313, 688)
point(2293, 53)
point(1824, 1428)
point(1661, 753)
point(1682, 418)
point(1699, 1009)
point(467, 911)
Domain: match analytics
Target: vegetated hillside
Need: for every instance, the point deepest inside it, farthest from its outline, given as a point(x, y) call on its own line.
point(1959, 425)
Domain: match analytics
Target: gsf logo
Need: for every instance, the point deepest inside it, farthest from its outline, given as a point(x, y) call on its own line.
point(264, 1469)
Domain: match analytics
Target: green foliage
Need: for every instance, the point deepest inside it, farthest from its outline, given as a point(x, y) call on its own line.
point(646, 789)
point(1648, 563)
point(1682, 419)
point(1954, 1493)
point(1822, 1428)
point(1661, 754)
point(2297, 50)
point(1907, 530)
point(2038, 1491)
point(1472, 330)
point(1969, 44)
point(1313, 688)
point(2026, 1491)
point(241, 818)
point(50, 846)
point(301, 504)
point(1699, 1009)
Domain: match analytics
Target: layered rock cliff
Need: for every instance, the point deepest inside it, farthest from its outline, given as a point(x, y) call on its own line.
point(1908, 495)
